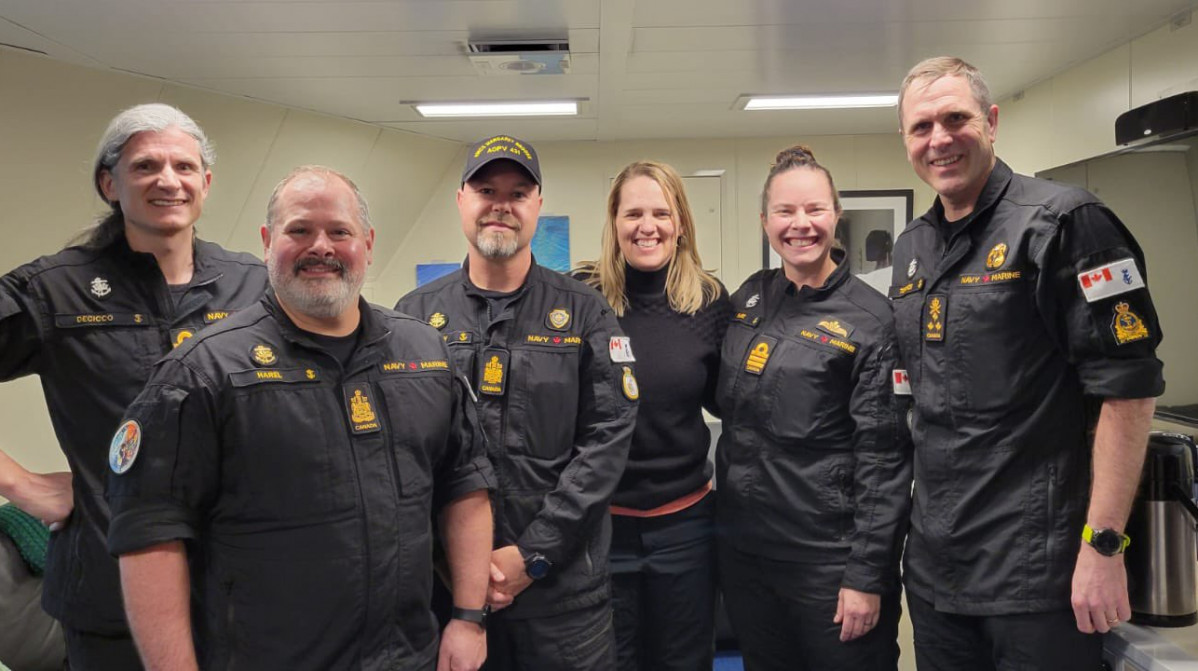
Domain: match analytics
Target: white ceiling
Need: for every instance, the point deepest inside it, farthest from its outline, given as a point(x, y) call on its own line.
point(648, 68)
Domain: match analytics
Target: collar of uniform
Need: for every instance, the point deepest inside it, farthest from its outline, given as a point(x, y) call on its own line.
point(372, 329)
point(472, 290)
point(838, 276)
point(996, 185)
point(201, 256)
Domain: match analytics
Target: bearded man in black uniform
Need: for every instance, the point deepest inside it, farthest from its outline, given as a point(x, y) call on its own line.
point(91, 321)
point(274, 484)
point(557, 400)
point(1029, 336)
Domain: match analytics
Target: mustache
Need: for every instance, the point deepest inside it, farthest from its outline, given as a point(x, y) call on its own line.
point(308, 262)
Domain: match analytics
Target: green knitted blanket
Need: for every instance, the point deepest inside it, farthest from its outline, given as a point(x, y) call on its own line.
point(27, 534)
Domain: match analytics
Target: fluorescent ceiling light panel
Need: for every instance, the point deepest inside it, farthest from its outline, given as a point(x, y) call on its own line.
point(542, 108)
point(819, 102)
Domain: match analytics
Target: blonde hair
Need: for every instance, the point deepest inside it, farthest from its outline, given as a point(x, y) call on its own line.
point(936, 67)
point(688, 286)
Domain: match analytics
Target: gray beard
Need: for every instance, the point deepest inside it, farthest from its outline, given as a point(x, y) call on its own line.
point(496, 246)
point(319, 300)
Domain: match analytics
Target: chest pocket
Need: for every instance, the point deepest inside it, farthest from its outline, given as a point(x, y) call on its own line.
point(543, 401)
point(419, 408)
point(807, 392)
point(287, 455)
point(991, 333)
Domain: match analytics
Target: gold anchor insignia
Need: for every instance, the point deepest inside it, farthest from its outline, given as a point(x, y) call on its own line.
point(997, 256)
point(437, 320)
point(360, 411)
point(263, 354)
point(310, 373)
point(493, 372)
point(1127, 325)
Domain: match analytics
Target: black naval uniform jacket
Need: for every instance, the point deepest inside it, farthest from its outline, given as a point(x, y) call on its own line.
point(558, 413)
point(1014, 325)
point(305, 490)
point(814, 462)
point(91, 323)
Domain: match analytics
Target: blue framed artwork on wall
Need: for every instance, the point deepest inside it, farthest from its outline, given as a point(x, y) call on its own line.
point(551, 244)
point(427, 272)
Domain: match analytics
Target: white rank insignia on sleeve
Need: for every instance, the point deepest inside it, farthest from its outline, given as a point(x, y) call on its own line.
point(122, 451)
point(902, 382)
point(1112, 279)
point(620, 350)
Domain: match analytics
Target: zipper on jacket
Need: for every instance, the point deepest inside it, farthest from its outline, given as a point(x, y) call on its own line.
point(1052, 510)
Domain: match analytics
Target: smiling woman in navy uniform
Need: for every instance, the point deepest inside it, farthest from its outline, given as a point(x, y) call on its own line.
point(814, 463)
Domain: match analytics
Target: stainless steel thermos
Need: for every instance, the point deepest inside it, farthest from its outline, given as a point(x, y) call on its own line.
point(1162, 559)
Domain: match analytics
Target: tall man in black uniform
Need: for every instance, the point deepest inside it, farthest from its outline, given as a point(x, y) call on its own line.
point(1029, 336)
point(299, 451)
point(90, 321)
point(557, 400)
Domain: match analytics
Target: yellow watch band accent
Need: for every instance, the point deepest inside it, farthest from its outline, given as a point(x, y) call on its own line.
point(1088, 535)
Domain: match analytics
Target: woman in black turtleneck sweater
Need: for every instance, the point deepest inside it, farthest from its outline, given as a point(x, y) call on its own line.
point(662, 555)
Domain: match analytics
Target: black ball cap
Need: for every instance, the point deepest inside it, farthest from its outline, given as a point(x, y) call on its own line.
point(502, 147)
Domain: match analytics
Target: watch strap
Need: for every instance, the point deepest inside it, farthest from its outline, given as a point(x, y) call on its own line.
point(1089, 533)
point(476, 615)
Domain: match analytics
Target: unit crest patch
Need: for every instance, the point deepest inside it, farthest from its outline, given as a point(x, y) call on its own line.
point(1127, 325)
point(997, 256)
point(631, 391)
point(263, 355)
point(558, 319)
point(122, 451)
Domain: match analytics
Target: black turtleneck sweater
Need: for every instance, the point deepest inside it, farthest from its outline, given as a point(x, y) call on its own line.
point(677, 363)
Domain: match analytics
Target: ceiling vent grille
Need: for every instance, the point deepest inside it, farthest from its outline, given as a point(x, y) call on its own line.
point(520, 57)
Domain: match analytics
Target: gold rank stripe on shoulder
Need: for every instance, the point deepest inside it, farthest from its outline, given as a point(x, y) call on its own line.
point(842, 345)
point(413, 366)
point(248, 378)
point(213, 316)
point(553, 340)
point(900, 290)
point(991, 278)
point(102, 319)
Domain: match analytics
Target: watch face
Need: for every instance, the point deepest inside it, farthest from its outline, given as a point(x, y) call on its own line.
point(538, 567)
point(1107, 542)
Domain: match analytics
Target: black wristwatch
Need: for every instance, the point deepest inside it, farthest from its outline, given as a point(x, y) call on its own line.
point(536, 565)
point(1106, 542)
point(476, 615)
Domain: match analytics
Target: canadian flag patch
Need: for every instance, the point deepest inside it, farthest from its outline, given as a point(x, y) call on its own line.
point(902, 383)
point(1112, 279)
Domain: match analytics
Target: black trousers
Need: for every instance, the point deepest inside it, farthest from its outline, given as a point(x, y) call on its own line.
point(782, 615)
point(663, 589)
point(1022, 642)
point(578, 640)
point(88, 651)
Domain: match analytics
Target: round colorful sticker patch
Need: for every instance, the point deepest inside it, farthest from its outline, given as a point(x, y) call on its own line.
point(122, 452)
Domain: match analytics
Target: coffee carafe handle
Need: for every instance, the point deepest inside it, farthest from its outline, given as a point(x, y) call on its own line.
point(1183, 497)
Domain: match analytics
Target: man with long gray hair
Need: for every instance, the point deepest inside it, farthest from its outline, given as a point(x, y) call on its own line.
point(91, 320)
